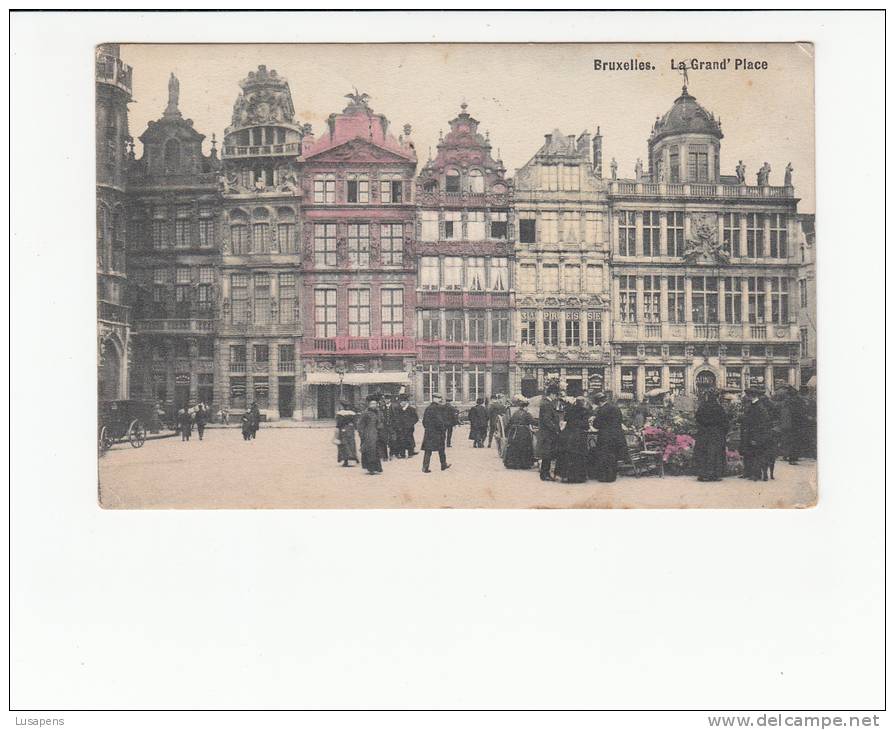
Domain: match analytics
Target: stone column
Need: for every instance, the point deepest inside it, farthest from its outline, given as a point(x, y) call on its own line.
point(666, 377)
point(686, 228)
point(464, 385)
point(766, 235)
point(743, 234)
point(744, 286)
point(639, 312)
point(539, 327)
point(663, 299)
point(688, 299)
point(769, 378)
point(488, 382)
point(767, 300)
point(640, 385)
point(722, 307)
point(638, 238)
point(663, 233)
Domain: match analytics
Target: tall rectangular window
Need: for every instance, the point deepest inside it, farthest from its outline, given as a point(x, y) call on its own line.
point(698, 162)
point(239, 298)
point(550, 334)
point(286, 237)
point(452, 224)
point(429, 225)
point(676, 301)
point(674, 221)
point(239, 239)
point(324, 244)
point(529, 322)
point(391, 189)
point(674, 164)
point(527, 277)
point(803, 341)
point(429, 278)
point(260, 238)
point(453, 272)
point(571, 278)
point(527, 227)
point(431, 324)
point(477, 382)
point(430, 382)
point(594, 281)
point(594, 328)
point(500, 274)
point(500, 325)
point(498, 224)
point(629, 381)
point(453, 325)
point(676, 380)
point(476, 326)
point(549, 227)
point(391, 244)
point(358, 189)
point(262, 298)
point(778, 236)
point(324, 312)
point(286, 292)
point(754, 236)
point(453, 382)
point(733, 377)
point(206, 233)
point(359, 245)
point(756, 296)
point(573, 328)
point(286, 354)
point(730, 234)
point(651, 233)
point(475, 273)
point(158, 233)
point(780, 300)
point(733, 300)
point(237, 356)
point(392, 312)
point(550, 278)
point(627, 298)
point(549, 177)
point(627, 233)
point(803, 293)
point(651, 298)
point(205, 292)
point(358, 312)
point(261, 354)
point(325, 189)
point(705, 299)
point(182, 228)
point(475, 225)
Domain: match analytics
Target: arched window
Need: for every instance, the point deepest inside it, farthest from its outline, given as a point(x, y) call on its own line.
point(286, 230)
point(239, 232)
point(452, 181)
point(260, 231)
point(172, 156)
point(476, 181)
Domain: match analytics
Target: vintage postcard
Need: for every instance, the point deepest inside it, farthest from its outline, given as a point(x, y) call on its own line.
point(456, 276)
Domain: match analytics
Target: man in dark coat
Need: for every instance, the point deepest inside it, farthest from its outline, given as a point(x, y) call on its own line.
point(434, 423)
point(387, 440)
point(404, 420)
point(549, 420)
point(710, 450)
point(611, 445)
point(478, 424)
point(370, 428)
point(496, 409)
point(185, 421)
point(254, 419)
point(201, 419)
point(755, 434)
point(452, 418)
point(792, 425)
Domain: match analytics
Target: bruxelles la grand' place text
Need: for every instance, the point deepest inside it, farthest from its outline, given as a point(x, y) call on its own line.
point(290, 264)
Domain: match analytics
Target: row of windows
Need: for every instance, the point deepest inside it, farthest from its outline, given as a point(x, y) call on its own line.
point(472, 273)
point(736, 378)
point(556, 278)
point(263, 238)
point(697, 163)
point(455, 376)
point(262, 297)
point(261, 353)
point(707, 292)
point(326, 312)
point(359, 188)
point(733, 241)
point(391, 244)
point(469, 326)
point(559, 227)
point(458, 225)
point(180, 348)
point(557, 329)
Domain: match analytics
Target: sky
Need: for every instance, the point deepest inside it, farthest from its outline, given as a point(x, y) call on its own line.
point(518, 92)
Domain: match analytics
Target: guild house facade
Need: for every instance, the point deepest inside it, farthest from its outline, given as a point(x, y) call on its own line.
point(562, 267)
point(293, 269)
point(703, 267)
point(466, 234)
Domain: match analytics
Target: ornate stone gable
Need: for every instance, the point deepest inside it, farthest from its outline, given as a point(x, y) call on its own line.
point(358, 151)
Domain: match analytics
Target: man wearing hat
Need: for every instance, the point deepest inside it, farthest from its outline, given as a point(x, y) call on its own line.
point(755, 434)
point(452, 418)
point(496, 410)
point(549, 420)
point(387, 439)
point(433, 437)
point(792, 424)
point(404, 420)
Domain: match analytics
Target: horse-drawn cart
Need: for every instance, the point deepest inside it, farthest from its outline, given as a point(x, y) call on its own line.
point(123, 420)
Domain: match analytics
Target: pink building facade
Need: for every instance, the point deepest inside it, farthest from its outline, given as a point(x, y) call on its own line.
point(465, 250)
point(358, 266)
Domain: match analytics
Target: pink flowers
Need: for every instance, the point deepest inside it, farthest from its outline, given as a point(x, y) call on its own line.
point(677, 447)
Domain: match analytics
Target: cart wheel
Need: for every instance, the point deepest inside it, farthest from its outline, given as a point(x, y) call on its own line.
point(105, 440)
point(136, 434)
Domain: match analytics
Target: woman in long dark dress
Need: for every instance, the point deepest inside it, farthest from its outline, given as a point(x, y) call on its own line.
point(611, 446)
point(345, 419)
point(520, 452)
point(371, 427)
point(710, 450)
point(573, 443)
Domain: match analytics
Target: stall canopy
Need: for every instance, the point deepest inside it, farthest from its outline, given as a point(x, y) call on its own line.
point(330, 378)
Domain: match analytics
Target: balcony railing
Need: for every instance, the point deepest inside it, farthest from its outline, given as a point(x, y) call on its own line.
point(758, 331)
point(693, 332)
point(653, 331)
point(238, 366)
point(706, 332)
point(359, 345)
point(112, 70)
point(261, 150)
point(465, 300)
point(175, 325)
point(698, 190)
point(471, 352)
point(286, 366)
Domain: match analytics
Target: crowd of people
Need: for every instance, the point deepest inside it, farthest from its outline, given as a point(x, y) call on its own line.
point(198, 416)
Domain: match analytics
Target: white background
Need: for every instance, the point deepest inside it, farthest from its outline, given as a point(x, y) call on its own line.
point(700, 610)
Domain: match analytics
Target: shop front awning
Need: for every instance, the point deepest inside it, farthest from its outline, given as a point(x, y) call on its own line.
point(330, 378)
